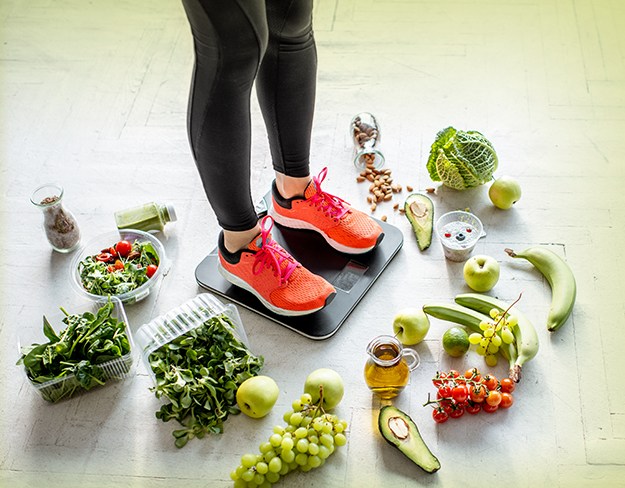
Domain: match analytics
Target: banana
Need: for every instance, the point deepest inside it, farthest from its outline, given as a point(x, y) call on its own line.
point(526, 339)
point(452, 312)
point(560, 278)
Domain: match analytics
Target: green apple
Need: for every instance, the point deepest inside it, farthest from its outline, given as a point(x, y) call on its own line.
point(411, 326)
point(257, 395)
point(332, 385)
point(481, 272)
point(504, 192)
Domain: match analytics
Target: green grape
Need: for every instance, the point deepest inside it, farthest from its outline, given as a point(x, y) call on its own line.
point(481, 350)
point(317, 424)
point(275, 465)
point(248, 475)
point(306, 421)
point(494, 313)
point(259, 479)
point(301, 459)
point(507, 336)
point(275, 440)
point(313, 448)
point(306, 398)
point(288, 456)
point(484, 343)
point(296, 419)
point(338, 426)
point(489, 332)
point(327, 428)
point(344, 424)
point(248, 460)
point(324, 452)
point(265, 484)
point(240, 483)
point(313, 439)
point(314, 461)
point(287, 416)
point(286, 467)
point(491, 360)
point(268, 456)
point(297, 406)
point(474, 338)
point(512, 320)
point(278, 429)
point(305, 468)
point(340, 440)
point(272, 477)
point(496, 340)
point(301, 432)
point(265, 447)
point(302, 445)
point(327, 440)
point(287, 443)
point(262, 467)
point(492, 349)
point(484, 325)
point(234, 475)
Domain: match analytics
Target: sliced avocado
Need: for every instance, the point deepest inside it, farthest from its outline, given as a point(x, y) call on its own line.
point(420, 212)
point(400, 431)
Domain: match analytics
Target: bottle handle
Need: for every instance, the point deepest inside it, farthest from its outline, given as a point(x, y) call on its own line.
point(414, 361)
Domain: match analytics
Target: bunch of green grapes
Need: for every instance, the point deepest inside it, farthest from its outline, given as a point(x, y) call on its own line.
point(309, 438)
point(494, 332)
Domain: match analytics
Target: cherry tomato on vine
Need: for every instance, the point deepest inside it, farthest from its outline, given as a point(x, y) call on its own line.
point(150, 270)
point(444, 391)
point(490, 408)
point(439, 415)
point(506, 400)
point(477, 393)
point(507, 385)
point(123, 248)
point(453, 374)
point(456, 412)
point(493, 398)
point(473, 374)
point(460, 394)
point(473, 408)
point(490, 382)
point(439, 379)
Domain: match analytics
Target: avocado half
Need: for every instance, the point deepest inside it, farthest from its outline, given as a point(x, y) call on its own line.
point(400, 431)
point(420, 212)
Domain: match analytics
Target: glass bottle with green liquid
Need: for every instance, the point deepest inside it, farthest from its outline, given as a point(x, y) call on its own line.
point(148, 217)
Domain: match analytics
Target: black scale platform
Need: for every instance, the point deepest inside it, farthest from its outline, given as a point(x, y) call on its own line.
point(351, 275)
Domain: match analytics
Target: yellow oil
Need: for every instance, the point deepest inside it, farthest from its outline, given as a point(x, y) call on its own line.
point(384, 379)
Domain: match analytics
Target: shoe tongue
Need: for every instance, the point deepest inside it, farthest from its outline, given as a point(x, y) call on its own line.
point(256, 243)
point(310, 190)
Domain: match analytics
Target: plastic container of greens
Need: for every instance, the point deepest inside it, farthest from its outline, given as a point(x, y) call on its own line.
point(180, 320)
point(104, 241)
point(67, 386)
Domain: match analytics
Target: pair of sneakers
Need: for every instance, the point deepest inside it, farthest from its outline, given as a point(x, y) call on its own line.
point(276, 278)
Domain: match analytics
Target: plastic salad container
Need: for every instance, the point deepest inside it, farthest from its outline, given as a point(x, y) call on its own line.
point(458, 232)
point(67, 386)
point(191, 314)
point(105, 241)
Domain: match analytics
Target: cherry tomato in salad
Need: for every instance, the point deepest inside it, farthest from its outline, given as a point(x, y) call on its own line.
point(123, 248)
point(111, 250)
point(491, 382)
point(506, 400)
point(493, 398)
point(150, 270)
point(460, 394)
point(507, 385)
point(439, 415)
point(110, 268)
point(118, 264)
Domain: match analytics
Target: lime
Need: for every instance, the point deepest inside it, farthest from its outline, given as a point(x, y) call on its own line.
point(456, 341)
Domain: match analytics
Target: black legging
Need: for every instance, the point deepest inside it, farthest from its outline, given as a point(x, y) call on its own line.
point(237, 42)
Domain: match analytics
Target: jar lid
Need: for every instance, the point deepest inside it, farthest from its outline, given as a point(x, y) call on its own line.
point(171, 211)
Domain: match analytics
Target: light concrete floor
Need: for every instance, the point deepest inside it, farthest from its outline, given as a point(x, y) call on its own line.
point(94, 97)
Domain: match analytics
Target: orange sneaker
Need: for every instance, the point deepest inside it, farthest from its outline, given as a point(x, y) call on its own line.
point(268, 271)
point(346, 229)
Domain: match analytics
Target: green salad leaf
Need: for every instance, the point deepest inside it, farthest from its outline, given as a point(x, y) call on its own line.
point(461, 159)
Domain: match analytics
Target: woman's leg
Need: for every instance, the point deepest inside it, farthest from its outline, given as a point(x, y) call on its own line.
point(230, 38)
point(286, 85)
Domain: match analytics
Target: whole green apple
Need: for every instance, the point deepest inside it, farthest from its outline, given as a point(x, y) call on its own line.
point(504, 192)
point(411, 326)
point(332, 385)
point(481, 272)
point(257, 395)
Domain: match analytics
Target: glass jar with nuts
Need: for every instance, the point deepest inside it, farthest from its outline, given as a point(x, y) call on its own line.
point(365, 133)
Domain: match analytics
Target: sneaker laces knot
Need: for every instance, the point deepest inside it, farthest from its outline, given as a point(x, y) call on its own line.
point(331, 205)
point(272, 255)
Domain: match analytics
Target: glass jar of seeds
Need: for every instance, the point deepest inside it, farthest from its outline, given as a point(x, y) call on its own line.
point(59, 224)
point(365, 134)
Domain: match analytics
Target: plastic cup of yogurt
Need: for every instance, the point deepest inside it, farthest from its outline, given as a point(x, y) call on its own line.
point(458, 232)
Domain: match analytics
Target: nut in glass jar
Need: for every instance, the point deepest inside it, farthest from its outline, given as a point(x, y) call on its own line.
point(365, 134)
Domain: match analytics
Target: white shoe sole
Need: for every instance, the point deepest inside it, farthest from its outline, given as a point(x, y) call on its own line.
point(300, 224)
point(235, 280)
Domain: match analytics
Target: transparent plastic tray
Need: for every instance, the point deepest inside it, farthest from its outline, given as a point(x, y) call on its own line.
point(115, 369)
point(182, 319)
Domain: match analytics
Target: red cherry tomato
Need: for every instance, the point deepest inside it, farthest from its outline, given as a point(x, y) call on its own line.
point(460, 394)
point(473, 408)
point(453, 374)
point(457, 412)
point(123, 248)
point(473, 374)
point(506, 400)
point(507, 385)
point(150, 270)
point(111, 250)
point(477, 393)
point(490, 408)
point(493, 398)
point(439, 415)
point(491, 382)
point(444, 391)
point(439, 379)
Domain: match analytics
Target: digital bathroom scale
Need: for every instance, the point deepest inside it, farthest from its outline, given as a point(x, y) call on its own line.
point(351, 275)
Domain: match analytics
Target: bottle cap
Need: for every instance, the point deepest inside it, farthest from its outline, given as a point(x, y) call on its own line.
point(171, 211)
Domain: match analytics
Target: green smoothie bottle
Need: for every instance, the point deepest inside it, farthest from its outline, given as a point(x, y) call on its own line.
point(149, 217)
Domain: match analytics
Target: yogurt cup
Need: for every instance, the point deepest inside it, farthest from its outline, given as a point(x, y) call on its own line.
point(458, 233)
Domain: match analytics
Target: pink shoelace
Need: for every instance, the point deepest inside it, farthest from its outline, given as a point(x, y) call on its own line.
point(333, 206)
point(272, 255)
